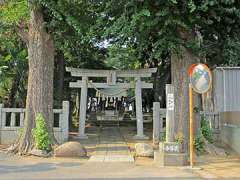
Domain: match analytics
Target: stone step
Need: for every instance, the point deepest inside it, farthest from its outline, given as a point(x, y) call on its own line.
point(108, 123)
point(111, 147)
point(111, 158)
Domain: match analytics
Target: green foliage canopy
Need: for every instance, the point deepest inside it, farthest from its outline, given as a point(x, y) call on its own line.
point(154, 27)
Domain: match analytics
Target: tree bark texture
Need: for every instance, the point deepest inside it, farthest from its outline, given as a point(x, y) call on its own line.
point(40, 80)
point(207, 101)
point(59, 78)
point(180, 80)
point(161, 78)
point(208, 104)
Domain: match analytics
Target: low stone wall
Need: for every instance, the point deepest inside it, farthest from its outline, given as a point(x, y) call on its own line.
point(12, 121)
point(230, 129)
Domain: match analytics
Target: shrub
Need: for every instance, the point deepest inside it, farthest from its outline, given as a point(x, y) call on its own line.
point(179, 138)
point(40, 134)
point(206, 131)
point(163, 135)
point(198, 143)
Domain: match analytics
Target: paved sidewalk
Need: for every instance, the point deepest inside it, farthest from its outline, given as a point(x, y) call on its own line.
point(18, 168)
point(25, 168)
point(220, 167)
point(109, 144)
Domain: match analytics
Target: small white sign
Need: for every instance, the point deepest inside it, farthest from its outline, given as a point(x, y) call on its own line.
point(170, 102)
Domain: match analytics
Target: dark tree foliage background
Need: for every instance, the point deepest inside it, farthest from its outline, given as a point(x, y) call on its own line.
point(119, 34)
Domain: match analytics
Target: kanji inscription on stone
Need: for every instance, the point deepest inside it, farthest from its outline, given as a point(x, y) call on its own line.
point(170, 102)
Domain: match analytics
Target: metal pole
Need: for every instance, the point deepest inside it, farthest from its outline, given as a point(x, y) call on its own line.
point(191, 124)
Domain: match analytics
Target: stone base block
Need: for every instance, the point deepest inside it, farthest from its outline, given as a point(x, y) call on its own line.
point(171, 147)
point(170, 159)
point(143, 137)
point(112, 158)
point(81, 137)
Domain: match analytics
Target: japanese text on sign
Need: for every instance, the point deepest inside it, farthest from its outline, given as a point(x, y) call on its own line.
point(170, 102)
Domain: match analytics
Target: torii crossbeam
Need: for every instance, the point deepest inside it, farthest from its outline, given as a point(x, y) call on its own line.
point(111, 76)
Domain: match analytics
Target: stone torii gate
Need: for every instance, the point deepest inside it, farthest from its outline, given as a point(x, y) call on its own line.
point(111, 76)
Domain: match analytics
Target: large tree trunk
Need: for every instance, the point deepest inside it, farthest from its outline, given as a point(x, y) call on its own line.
point(59, 78)
point(40, 80)
point(207, 101)
point(180, 80)
point(161, 78)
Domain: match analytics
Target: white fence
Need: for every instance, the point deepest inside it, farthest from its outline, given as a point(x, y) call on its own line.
point(159, 114)
point(12, 120)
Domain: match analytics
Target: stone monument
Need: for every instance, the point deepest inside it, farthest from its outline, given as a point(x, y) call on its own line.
point(172, 152)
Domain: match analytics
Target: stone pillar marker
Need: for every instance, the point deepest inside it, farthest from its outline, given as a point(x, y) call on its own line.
point(170, 113)
point(83, 108)
point(65, 107)
point(171, 153)
point(2, 116)
point(1, 124)
point(156, 122)
point(13, 119)
point(22, 115)
point(162, 115)
point(139, 113)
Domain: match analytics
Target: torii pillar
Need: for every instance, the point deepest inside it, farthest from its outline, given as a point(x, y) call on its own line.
point(139, 112)
point(111, 76)
point(83, 108)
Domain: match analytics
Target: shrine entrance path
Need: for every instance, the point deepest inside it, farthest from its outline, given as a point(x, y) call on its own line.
point(112, 144)
point(111, 147)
